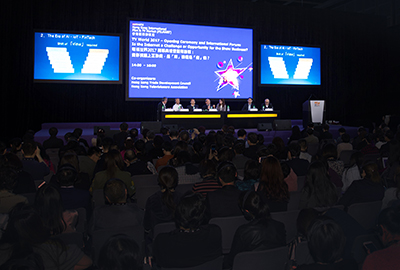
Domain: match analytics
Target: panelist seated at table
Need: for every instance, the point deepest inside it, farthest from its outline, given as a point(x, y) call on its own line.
point(221, 106)
point(266, 105)
point(249, 105)
point(177, 106)
point(207, 106)
point(192, 105)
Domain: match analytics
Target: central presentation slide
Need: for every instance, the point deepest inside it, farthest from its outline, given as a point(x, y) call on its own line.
point(189, 61)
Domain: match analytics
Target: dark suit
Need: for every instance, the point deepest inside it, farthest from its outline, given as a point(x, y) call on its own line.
point(191, 108)
point(223, 202)
point(159, 110)
point(246, 106)
point(266, 107)
point(207, 107)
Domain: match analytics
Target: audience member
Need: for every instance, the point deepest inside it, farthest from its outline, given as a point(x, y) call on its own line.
point(27, 238)
point(318, 191)
point(272, 187)
point(135, 166)
point(310, 137)
point(336, 167)
point(352, 172)
point(260, 233)
point(368, 189)
point(8, 199)
point(296, 135)
point(53, 141)
point(114, 168)
point(251, 151)
point(120, 252)
point(389, 232)
point(194, 242)
point(345, 145)
point(161, 205)
point(71, 196)
point(118, 213)
point(223, 202)
point(24, 182)
point(49, 206)
point(208, 171)
point(325, 135)
point(326, 243)
point(88, 162)
point(298, 165)
point(167, 151)
point(38, 169)
point(120, 137)
point(252, 171)
point(303, 151)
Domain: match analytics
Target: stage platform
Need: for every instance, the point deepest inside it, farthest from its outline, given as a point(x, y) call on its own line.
point(88, 130)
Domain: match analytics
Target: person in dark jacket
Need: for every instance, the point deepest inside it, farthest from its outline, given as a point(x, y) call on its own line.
point(368, 189)
point(260, 233)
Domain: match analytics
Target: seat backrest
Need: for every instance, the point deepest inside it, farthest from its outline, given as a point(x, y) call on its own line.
point(260, 260)
point(302, 254)
point(143, 193)
point(228, 227)
point(163, 228)
point(345, 156)
point(301, 180)
point(98, 197)
point(145, 180)
point(215, 264)
point(365, 213)
point(99, 237)
point(82, 220)
point(294, 200)
point(289, 219)
point(183, 188)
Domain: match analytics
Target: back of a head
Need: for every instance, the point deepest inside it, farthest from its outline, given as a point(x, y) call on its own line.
point(389, 218)
point(29, 148)
point(272, 179)
point(190, 212)
point(346, 138)
point(53, 131)
point(372, 172)
point(252, 170)
point(113, 160)
point(225, 154)
point(66, 175)
point(252, 137)
point(167, 146)
point(115, 191)
point(294, 149)
point(184, 136)
point(241, 133)
point(329, 151)
point(130, 155)
point(77, 132)
point(8, 177)
point(49, 206)
point(227, 172)
point(140, 146)
point(119, 252)
point(123, 126)
point(25, 227)
point(207, 168)
point(168, 180)
point(239, 147)
point(71, 158)
point(326, 241)
point(252, 206)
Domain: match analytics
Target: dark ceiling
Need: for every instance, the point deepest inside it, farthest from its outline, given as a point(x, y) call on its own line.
point(390, 9)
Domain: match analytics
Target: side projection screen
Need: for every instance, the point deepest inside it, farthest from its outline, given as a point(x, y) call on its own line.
point(289, 65)
point(189, 61)
point(77, 57)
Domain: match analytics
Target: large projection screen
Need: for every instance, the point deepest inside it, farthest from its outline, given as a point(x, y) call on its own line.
point(189, 61)
point(291, 64)
point(77, 57)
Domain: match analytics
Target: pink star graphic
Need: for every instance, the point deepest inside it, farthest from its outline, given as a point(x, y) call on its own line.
point(229, 76)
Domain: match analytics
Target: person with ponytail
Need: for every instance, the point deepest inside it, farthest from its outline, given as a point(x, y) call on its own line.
point(161, 205)
point(260, 233)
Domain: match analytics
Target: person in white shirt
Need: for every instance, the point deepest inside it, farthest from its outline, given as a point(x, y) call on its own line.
point(177, 106)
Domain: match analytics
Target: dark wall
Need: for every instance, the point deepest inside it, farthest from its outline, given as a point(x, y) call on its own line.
point(359, 67)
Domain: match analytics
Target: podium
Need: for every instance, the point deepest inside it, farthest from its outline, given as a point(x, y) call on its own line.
point(313, 112)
